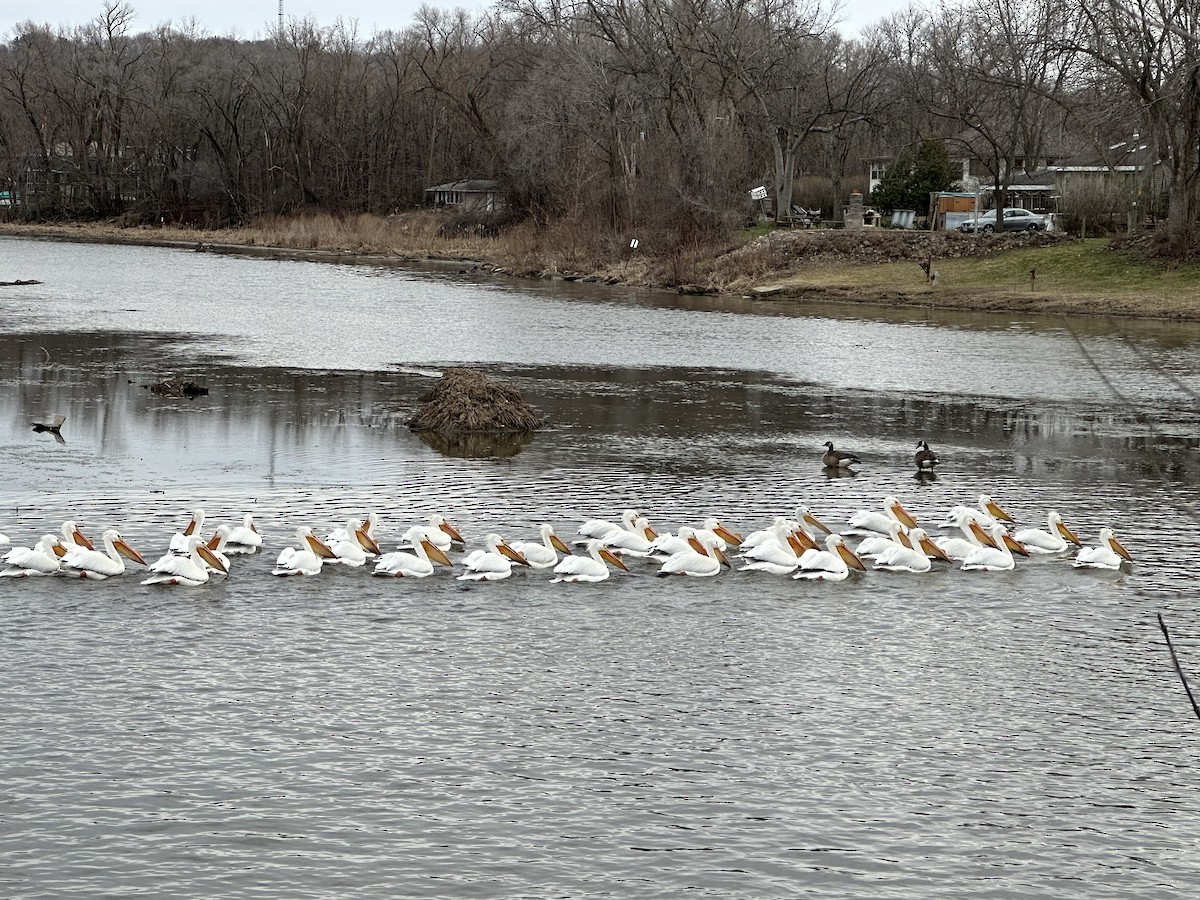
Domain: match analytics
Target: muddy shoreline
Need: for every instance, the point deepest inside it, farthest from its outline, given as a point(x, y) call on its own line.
point(779, 286)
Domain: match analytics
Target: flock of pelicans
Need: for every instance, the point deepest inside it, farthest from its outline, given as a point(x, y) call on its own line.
point(801, 546)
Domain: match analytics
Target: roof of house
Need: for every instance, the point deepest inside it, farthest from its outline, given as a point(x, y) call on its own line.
point(469, 186)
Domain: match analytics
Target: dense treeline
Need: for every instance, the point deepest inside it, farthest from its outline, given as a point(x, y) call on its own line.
point(609, 113)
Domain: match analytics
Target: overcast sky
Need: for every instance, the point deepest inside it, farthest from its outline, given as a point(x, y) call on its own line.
point(248, 18)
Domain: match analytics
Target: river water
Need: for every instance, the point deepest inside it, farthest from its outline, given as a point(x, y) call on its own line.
point(1009, 734)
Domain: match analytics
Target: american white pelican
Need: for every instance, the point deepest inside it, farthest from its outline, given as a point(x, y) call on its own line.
point(831, 564)
point(73, 537)
point(307, 560)
point(599, 528)
point(1057, 538)
point(910, 559)
point(244, 538)
point(667, 544)
point(872, 546)
point(4, 541)
point(997, 558)
point(179, 538)
point(958, 548)
point(544, 553)
point(837, 459)
point(724, 536)
point(987, 514)
point(893, 511)
point(925, 458)
point(367, 530)
point(636, 543)
point(191, 570)
point(768, 534)
point(418, 564)
point(1108, 555)
point(440, 533)
point(703, 559)
point(593, 567)
point(494, 563)
point(40, 559)
point(779, 556)
point(804, 516)
point(353, 550)
point(97, 565)
point(218, 546)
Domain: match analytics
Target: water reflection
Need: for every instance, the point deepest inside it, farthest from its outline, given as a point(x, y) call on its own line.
point(477, 446)
point(379, 318)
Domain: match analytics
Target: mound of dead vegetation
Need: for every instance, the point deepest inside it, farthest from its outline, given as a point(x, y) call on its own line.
point(177, 387)
point(464, 401)
point(1154, 245)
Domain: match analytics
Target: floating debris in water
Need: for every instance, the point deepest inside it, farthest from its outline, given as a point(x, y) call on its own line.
point(175, 387)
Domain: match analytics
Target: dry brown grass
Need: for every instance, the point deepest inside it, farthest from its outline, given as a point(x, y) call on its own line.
point(878, 266)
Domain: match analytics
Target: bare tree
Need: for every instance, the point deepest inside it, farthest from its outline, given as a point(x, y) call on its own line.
point(1151, 48)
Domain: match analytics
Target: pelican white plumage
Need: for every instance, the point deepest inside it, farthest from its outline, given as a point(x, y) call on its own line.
point(636, 543)
point(4, 541)
point(915, 559)
point(353, 550)
point(440, 533)
point(97, 565)
point(831, 564)
point(544, 553)
point(1057, 538)
point(367, 530)
point(997, 558)
point(873, 545)
point(804, 516)
point(591, 568)
point(987, 514)
point(958, 548)
point(493, 564)
point(218, 546)
point(767, 535)
point(599, 528)
point(713, 526)
point(1108, 555)
point(779, 556)
point(40, 559)
point(667, 544)
point(73, 537)
point(191, 570)
point(893, 511)
point(244, 538)
point(702, 559)
point(305, 560)
point(417, 564)
point(179, 539)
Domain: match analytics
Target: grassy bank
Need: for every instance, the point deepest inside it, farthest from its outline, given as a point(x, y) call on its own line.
point(1084, 277)
point(1028, 273)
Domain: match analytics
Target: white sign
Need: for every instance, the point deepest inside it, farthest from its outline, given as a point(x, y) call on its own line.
point(759, 193)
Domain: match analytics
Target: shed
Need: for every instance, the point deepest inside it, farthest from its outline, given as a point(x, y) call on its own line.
point(479, 194)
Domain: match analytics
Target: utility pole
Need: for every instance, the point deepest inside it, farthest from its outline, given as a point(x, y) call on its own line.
point(281, 16)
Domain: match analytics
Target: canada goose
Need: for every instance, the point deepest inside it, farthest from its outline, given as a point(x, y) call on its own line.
point(837, 459)
point(51, 427)
point(925, 458)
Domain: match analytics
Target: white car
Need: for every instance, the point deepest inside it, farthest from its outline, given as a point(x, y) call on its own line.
point(1015, 219)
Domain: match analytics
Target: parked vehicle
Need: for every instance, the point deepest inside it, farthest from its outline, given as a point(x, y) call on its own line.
point(1014, 220)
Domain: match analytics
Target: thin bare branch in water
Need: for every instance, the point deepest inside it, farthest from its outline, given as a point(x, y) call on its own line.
point(1178, 669)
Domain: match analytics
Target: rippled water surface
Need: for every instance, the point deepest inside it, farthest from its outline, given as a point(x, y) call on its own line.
point(1011, 734)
